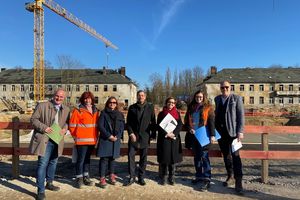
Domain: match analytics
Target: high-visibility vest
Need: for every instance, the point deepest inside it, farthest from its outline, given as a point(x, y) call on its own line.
point(83, 126)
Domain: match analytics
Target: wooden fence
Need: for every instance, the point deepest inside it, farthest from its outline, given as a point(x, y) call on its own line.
point(264, 154)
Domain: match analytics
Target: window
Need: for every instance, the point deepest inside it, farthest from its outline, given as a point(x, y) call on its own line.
point(251, 100)
point(280, 100)
point(22, 88)
point(59, 86)
point(298, 99)
point(231, 87)
point(77, 88)
point(242, 88)
point(105, 88)
point(280, 87)
point(13, 98)
point(261, 88)
point(50, 87)
point(4, 88)
point(271, 100)
point(291, 100)
point(96, 100)
point(68, 88)
point(96, 88)
point(299, 87)
point(291, 87)
point(4, 98)
point(271, 88)
point(31, 88)
point(261, 100)
point(126, 102)
point(68, 99)
point(114, 88)
point(13, 88)
point(243, 99)
point(251, 88)
point(77, 100)
point(22, 98)
point(87, 88)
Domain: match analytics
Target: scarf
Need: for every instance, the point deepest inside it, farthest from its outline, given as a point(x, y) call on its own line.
point(172, 112)
point(116, 118)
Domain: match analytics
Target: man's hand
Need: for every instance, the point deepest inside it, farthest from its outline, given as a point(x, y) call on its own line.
point(213, 140)
point(171, 135)
point(132, 137)
point(48, 130)
point(240, 136)
point(63, 131)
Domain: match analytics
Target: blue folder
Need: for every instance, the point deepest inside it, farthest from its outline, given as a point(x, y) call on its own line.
point(203, 137)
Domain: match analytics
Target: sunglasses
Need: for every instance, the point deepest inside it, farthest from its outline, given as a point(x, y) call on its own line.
point(113, 102)
point(224, 87)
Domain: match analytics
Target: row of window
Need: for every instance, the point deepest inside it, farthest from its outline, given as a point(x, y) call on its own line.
point(68, 88)
point(271, 100)
point(262, 88)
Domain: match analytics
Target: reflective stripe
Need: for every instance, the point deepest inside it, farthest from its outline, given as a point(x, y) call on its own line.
point(83, 125)
point(85, 139)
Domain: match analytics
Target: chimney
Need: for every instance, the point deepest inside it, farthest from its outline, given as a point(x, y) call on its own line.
point(213, 70)
point(122, 71)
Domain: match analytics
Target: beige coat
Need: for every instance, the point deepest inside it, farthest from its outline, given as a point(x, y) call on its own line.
point(43, 117)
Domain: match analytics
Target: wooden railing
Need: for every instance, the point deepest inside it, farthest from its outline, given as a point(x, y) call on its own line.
point(264, 154)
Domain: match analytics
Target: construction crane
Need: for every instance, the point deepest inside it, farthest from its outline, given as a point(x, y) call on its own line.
point(39, 68)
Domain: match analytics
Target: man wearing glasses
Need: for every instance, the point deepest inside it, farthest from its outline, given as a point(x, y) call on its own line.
point(141, 126)
point(229, 122)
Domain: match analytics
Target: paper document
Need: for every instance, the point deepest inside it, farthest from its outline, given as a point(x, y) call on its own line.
point(55, 135)
point(236, 145)
point(203, 136)
point(169, 123)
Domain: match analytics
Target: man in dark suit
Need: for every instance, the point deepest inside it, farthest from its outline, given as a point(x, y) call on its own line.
point(141, 125)
point(229, 122)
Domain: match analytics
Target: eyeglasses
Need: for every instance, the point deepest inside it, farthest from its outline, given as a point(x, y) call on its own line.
point(224, 87)
point(171, 102)
point(199, 97)
point(113, 102)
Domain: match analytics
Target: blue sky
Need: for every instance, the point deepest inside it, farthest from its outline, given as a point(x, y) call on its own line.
point(155, 34)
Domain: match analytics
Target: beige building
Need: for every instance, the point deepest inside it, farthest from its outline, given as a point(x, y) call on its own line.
point(259, 87)
point(17, 84)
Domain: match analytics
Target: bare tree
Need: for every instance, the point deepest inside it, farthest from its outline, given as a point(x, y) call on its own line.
point(168, 82)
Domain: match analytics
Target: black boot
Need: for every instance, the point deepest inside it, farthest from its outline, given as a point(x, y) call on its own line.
point(229, 181)
point(205, 185)
point(87, 181)
point(79, 182)
point(52, 187)
point(171, 178)
point(239, 186)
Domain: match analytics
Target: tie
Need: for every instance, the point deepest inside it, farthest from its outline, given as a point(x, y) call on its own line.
point(56, 115)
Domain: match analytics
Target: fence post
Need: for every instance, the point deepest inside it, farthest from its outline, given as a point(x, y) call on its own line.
point(265, 162)
point(15, 146)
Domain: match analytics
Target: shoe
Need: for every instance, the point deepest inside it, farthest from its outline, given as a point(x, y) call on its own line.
point(112, 179)
point(171, 180)
point(141, 181)
point(130, 181)
point(40, 196)
point(163, 180)
point(87, 181)
point(204, 187)
point(79, 182)
point(196, 180)
point(102, 182)
point(239, 186)
point(52, 187)
point(229, 181)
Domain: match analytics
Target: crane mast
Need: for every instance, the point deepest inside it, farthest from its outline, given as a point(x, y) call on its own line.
point(39, 68)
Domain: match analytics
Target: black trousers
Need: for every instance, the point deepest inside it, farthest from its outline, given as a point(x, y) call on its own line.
point(106, 164)
point(163, 168)
point(233, 163)
point(131, 161)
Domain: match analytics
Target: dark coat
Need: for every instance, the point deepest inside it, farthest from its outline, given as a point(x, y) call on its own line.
point(143, 128)
point(169, 151)
point(107, 148)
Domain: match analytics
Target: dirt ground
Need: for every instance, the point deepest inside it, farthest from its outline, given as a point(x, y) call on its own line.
point(284, 181)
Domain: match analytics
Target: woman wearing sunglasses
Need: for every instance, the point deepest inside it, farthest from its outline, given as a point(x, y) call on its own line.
point(169, 150)
point(111, 126)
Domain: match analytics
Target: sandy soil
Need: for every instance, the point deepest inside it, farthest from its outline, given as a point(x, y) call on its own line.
point(284, 182)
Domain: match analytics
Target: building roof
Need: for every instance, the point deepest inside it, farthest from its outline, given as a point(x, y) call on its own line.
point(256, 75)
point(65, 76)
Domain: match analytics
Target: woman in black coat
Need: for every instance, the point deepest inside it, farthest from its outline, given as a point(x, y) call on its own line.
point(111, 126)
point(169, 150)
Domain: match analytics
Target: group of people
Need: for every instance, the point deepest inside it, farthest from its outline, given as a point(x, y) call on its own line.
point(104, 131)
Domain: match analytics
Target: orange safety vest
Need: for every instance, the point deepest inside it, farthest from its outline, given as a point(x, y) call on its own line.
point(83, 126)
